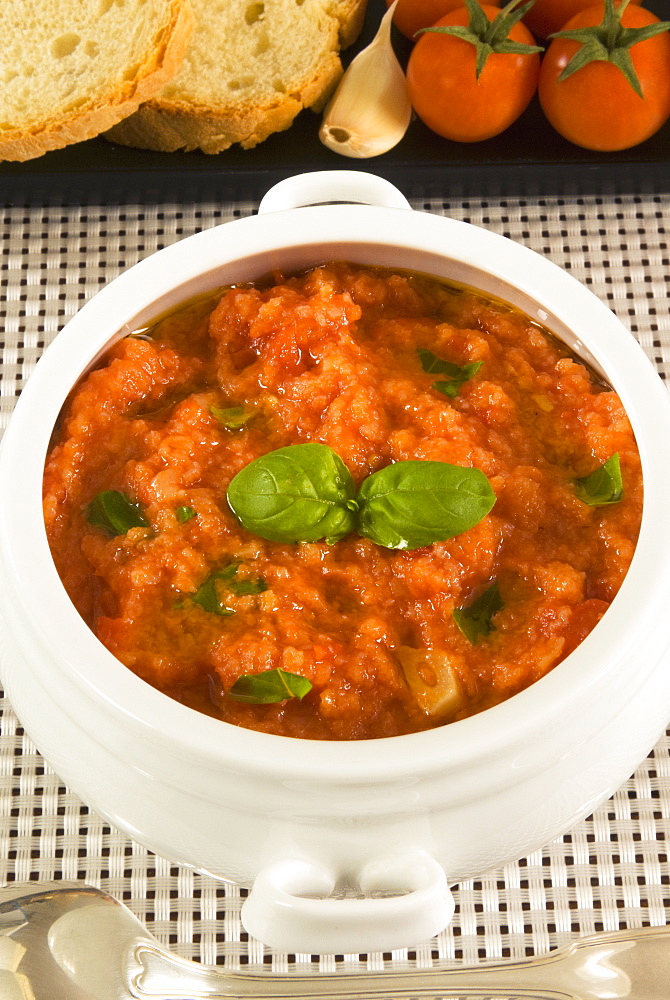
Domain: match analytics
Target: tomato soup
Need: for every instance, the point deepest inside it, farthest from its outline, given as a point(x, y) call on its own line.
point(361, 635)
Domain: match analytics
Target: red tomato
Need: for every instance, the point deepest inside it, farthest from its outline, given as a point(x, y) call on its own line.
point(448, 97)
point(596, 107)
point(412, 15)
point(547, 16)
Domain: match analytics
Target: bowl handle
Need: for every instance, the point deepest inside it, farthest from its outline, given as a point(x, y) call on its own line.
point(291, 906)
point(319, 187)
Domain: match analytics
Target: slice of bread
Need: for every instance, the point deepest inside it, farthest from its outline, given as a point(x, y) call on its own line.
point(70, 69)
point(251, 66)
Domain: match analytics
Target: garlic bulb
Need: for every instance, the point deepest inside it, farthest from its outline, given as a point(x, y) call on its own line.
point(370, 110)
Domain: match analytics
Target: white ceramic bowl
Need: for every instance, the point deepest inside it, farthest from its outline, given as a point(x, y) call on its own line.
point(405, 815)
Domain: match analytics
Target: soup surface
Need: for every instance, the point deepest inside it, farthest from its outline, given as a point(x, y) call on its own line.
point(390, 640)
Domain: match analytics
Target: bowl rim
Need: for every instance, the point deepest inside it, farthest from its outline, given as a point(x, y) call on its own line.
point(119, 307)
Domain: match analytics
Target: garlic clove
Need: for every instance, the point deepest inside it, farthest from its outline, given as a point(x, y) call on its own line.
point(370, 111)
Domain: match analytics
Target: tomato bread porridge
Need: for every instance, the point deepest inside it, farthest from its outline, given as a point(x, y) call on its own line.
point(348, 504)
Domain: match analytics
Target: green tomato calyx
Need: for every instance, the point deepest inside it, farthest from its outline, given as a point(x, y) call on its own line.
point(610, 42)
point(490, 36)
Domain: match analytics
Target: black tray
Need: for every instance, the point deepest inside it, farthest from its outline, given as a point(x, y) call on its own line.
point(528, 159)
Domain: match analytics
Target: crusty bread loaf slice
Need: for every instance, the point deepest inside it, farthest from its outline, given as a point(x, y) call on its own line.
point(350, 14)
point(69, 69)
point(251, 66)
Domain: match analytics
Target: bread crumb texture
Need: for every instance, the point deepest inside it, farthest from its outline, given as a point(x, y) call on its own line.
point(70, 69)
point(250, 68)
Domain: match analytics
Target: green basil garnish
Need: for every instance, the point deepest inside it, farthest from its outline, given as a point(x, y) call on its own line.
point(475, 620)
point(207, 595)
point(410, 504)
point(458, 374)
point(243, 588)
point(301, 493)
point(305, 492)
point(228, 572)
point(184, 514)
point(115, 512)
point(232, 417)
point(269, 687)
point(602, 487)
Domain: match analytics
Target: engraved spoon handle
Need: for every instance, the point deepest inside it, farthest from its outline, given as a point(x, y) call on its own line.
point(628, 965)
point(167, 977)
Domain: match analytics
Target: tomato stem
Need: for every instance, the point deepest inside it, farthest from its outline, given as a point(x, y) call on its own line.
point(490, 36)
point(610, 42)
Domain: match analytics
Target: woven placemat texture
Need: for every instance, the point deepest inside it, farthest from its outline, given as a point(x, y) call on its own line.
point(611, 871)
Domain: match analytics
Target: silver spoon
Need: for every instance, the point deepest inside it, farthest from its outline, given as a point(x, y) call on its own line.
point(67, 941)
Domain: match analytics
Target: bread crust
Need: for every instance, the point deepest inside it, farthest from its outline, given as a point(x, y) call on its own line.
point(85, 122)
point(167, 124)
point(351, 14)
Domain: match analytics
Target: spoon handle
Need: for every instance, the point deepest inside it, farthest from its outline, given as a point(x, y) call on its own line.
point(624, 965)
point(167, 976)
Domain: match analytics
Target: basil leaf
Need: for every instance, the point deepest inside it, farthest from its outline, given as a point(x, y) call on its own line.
point(475, 620)
point(269, 687)
point(207, 595)
point(232, 417)
point(115, 512)
point(228, 572)
point(410, 504)
point(300, 493)
point(602, 487)
point(458, 374)
point(464, 374)
point(242, 588)
point(184, 514)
